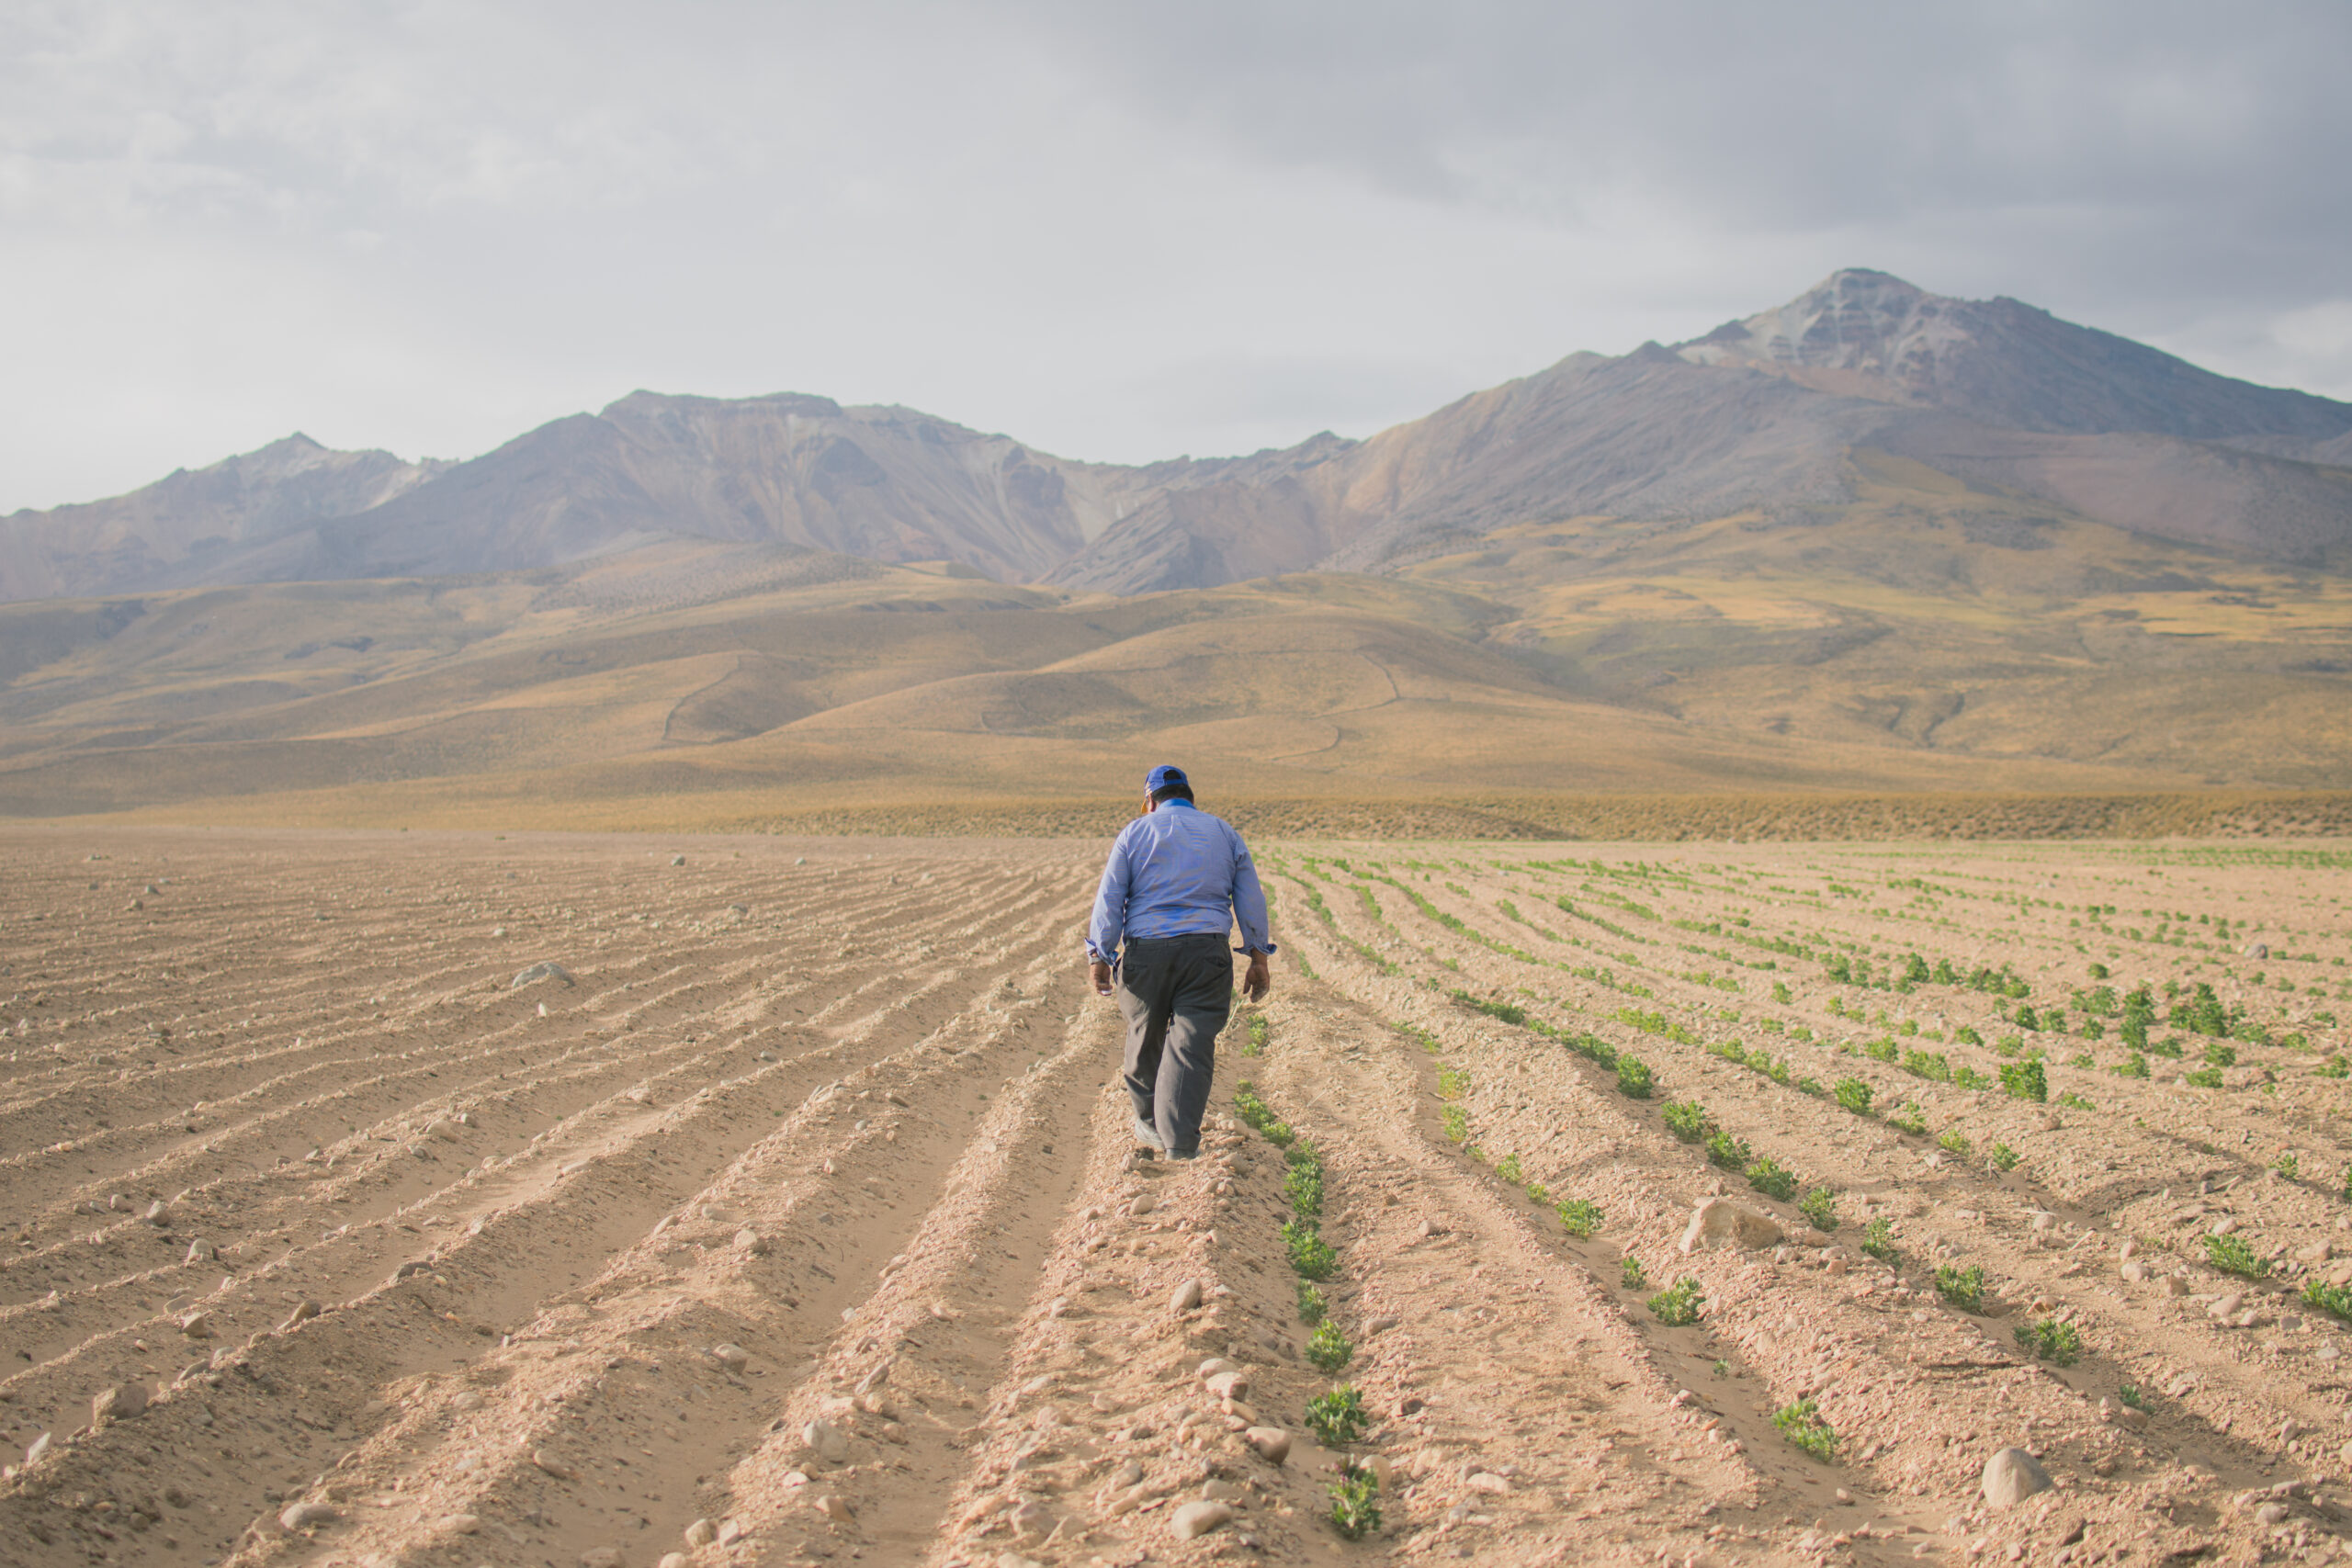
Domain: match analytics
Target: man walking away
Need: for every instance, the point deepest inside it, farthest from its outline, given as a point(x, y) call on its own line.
point(1177, 881)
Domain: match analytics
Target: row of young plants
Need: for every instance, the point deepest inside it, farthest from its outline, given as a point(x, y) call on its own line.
point(1337, 1417)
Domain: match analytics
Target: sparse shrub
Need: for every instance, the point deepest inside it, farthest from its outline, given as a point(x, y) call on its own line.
point(1880, 1050)
point(1802, 1425)
point(1929, 1065)
point(1629, 1272)
point(2048, 1340)
point(1953, 1141)
point(1279, 1134)
point(1820, 1208)
point(1878, 1240)
point(1260, 1031)
point(1453, 1083)
point(1328, 1349)
point(1355, 1502)
point(1909, 1120)
point(2134, 1065)
point(1580, 1216)
point(1304, 1186)
point(1678, 1307)
point(1537, 1190)
point(1311, 1255)
point(1727, 1151)
point(1769, 1177)
point(1810, 1087)
point(1969, 1077)
point(2129, 1394)
point(2220, 1056)
point(2333, 1067)
point(2334, 1300)
point(1854, 1095)
point(1781, 992)
point(1967, 1036)
point(2024, 1080)
point(2074, 1101)
point(1456, 1123)
point(1963, 1288)
point(2008, 1044)
point(1336, 1418)
point(1311, 1306)
point(2003, 1158)
point(1507, 1169)
point(2203, 1077)
point(1686, 1120)
point(1632, 1078)
point(2230, 1254)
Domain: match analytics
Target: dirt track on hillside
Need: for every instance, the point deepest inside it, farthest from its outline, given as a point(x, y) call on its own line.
point(801, 1206)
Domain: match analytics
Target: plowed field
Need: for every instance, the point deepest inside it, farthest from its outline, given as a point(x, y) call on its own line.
point(792, 1215)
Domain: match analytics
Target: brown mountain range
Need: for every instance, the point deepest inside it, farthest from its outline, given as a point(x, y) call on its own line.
point(1871, 541)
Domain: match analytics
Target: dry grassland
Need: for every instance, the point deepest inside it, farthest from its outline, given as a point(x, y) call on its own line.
point(794, 1221)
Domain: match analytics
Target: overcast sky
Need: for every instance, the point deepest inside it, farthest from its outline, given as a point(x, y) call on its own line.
point(1113, 231)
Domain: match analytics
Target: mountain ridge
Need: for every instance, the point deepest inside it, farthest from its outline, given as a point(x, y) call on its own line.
point(1765, 414)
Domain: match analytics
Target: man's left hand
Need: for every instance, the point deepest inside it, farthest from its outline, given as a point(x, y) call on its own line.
point(1258, 980)
point(1102, 979)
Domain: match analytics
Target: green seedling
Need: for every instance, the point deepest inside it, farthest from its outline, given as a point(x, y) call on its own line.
point(1802, 1425)
point(2288, 1165)
point(2203, 1077)
point(2048, 1340)
point(1963, 1288)
point(1678, 1307)
point(1260, 1031)
point(1509, 1169)
point(2025, 1080)
point(1909, 1120)
point(1953, 1141)
point(1820, 1208)
point(1336, 1418)
point(1580, 1216)
point(1311, 1304)
point(1769, 1177)
point(2003, 1158)
point(1456, 1123)
point(1355, 1502)
point(2230, 1254)
point(1328, 1349)
point(1311, 1257)
point(1727, 1151)
point(2074, 1101)
point(1878, 1240)
point(2130, 1394)
point(1304, 1187)
point(1633, 1079)
point(2334, 1300)
point(1686, 1120)
point(1854, 1095)
point(1629, 1272)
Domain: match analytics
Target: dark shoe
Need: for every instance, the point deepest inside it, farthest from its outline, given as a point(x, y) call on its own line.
point(1147, 1136)
point(1185, 1154)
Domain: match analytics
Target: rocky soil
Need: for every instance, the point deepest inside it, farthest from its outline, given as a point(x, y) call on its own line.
point(619, 1202)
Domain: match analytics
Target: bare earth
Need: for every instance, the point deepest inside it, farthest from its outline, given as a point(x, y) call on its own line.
point(797, 1221)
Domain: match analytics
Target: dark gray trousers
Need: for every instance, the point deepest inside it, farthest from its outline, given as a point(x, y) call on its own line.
point(1176, 993)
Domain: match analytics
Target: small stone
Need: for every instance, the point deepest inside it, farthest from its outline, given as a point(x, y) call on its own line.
point(677, 860)
point(197, 1326)
point(2225, 1226)
point(1186, 1296)
point(1719, 1222)
point(675, 1560)
point(702, 1532)
point(442, 1128)
point(2319, 1251)
point(827, 1440)
point(552, 1465)
point(158, 1214)
point(734, 1358)
point(751, 1241)
point(1228, 1385)
point(834, 1508)
point(1378, 1326)
point(1487, 1482)
point(120, 1403)
point(462, 1524)
point(201, 1252)
point(1194, 1520)
point(2270, 1514)
point(601, 1557)
point(2011, 1476)
point(307, 1516)
point(39, 1448)
point(731, 1530)
point(538, 971)
point(1142, 1203)
point(2228, 1306)
point(2136, 1271)
point(2175, 1285)
point(303, 1312)
point(1272, 1442)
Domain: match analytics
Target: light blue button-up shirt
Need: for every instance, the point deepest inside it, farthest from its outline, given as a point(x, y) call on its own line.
point(1177, 872)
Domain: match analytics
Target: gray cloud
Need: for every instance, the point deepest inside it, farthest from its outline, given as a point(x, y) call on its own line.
point(1115, 230)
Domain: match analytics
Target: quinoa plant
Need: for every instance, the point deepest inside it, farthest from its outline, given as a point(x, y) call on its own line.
point(1580, 1216)
point(1878, 1240)
point(1766, 1176)
point(2230, 1254)
point(1311, 1255)
point(1634, 1078)
point(2048, 1340)
point(1328, 1349)
point(1686, 1120)
point(1678, 1307)
point(1311, 1306)
point(1336, 1418)
point(1963, 1288)
point(1727, 1151)
point(1854, 1095)
point(1629, 1272)
point(1820, 1208)
point(1802, 1425)
point(1355, 1502)
point(2003, 1156)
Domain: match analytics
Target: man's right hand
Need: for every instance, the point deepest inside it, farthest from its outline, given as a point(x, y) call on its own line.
point(1258, 980)
point(1102, 979)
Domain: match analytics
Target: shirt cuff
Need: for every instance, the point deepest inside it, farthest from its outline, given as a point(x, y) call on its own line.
point(1269, 947)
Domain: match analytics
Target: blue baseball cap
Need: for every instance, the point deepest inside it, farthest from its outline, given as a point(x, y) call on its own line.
point(1160, 777)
